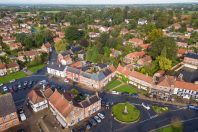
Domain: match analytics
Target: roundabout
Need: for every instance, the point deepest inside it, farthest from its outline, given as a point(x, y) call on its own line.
point(125, 113)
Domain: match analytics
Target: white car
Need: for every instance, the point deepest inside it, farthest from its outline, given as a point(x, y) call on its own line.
point(22, 117)
point(115, 92)
point(1, 84)
point(67, 81)
point(101, 116)
point(146, 106)
point(43, 82)
point(97, 119)
point(5, 89)
point(12, 81)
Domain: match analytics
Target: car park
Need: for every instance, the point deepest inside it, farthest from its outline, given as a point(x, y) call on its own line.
point(93, 122)
point(101, 116)
point(146, 106)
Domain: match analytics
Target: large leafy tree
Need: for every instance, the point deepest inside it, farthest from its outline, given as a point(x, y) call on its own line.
point(165, 46)
point(164, 63)
point(61, 46)
point(72, 33)
point(155, 34)
point(92, 54)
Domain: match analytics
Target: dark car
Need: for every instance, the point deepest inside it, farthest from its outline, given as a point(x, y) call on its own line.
point(134, 95)
point(15, 88)
point(125, 93)
point(92, 122)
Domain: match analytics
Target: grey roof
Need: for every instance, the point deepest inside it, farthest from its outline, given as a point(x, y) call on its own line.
point(87, 75)
point(192, 55)
point(73, 70)
point(67, 52)
point(98, 77)
point(89, 101)
point(56, 66)
point(7, 105)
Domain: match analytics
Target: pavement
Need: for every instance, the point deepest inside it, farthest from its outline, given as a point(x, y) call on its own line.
point(149, 120)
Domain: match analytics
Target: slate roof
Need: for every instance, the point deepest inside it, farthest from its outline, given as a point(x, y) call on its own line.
point(56, 66)
point(89, 101)
point(73, 70)
point(7, 105)
point(192, 55)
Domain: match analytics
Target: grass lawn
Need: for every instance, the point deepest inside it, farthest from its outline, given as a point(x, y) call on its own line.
point(170, 129)
point(9, 77)
point(113, 84)
point(34, 69)
point(126, 88)
point(132, 115)
point(159, 109)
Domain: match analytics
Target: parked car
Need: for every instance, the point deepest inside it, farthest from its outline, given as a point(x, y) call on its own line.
point(125, 93)
point(93, 122)
point(101, 116)
point(19, 86)
point(1, 84)
point(66, 80)
point(115, 92)
point(12, 81)
point(192, 107)
point(43, 82)
point(88, 126)
point(25, 83)
point(134, 95)
point(146, 106)
point(15, 88)
point(5, 89)
point(11, 90)
point(22, 114)
point(97, 119)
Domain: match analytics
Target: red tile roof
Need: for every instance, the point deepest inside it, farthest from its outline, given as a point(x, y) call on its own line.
point(61, 104)
point(35, 96)
point(12, 65)
point(186, 85)
point(136, 54)
point(2, 66)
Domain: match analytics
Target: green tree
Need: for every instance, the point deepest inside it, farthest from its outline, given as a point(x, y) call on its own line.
point(72, 33)
point(165, 44)
point(92, 54)
point(164, 63)
point(61, 46)
point(155, 34)
point(74, 91)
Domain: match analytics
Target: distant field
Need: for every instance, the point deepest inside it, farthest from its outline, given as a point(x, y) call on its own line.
point(51, 11)
point(8, 78)
point(189, 12)
point(43, 11)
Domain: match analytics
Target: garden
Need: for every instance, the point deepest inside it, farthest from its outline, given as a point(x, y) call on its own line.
point(12, 76)
point(125, 112)
point(159, 109)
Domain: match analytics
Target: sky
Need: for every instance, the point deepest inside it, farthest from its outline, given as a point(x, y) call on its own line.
point(93, 1)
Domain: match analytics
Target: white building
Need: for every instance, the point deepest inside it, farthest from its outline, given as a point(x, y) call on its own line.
point(37, 98)
point(56, 70)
